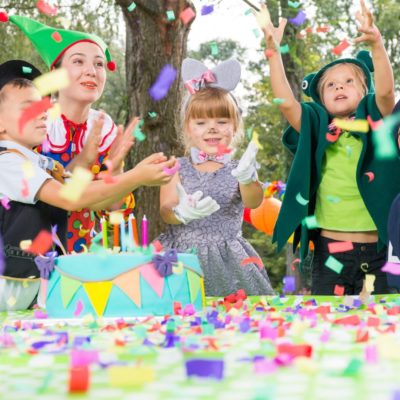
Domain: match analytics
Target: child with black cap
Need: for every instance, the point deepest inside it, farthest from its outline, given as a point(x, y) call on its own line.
point(28, 191)
point(337, 175)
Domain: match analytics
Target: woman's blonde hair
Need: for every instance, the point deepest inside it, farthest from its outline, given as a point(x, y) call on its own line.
point(212, 103)
point(358, 73)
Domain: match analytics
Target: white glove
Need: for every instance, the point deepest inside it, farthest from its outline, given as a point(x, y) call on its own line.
point(246, 171)
point(190, 207)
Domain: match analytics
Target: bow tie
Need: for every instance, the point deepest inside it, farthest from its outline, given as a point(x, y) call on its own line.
point(199, 157)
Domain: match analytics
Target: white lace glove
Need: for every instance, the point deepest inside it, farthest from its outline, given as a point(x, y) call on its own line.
point(190, 207)
point(246, 171)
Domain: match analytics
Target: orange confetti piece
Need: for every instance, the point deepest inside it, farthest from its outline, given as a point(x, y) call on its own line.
point(33, 111)
point(42, 243)
point(342, 46)
point(252, 260)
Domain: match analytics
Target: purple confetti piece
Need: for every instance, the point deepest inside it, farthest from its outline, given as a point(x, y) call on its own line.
point(391, 268)
point(299, 19)
point(396, 395)
point(163, 82)
point(205, 10)
point(289, 283)
point(205, 368)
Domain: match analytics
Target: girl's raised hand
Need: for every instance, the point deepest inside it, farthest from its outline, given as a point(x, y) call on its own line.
point(122, 144)
point(369, 32)
point(273, 35)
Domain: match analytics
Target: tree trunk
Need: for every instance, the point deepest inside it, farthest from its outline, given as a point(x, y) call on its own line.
point(152, 42)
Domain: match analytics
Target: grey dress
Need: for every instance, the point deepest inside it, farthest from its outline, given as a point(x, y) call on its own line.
point(218, 238)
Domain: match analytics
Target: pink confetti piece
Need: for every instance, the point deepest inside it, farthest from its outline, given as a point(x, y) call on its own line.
point(56, 37)
point(39, 314)
point(5, 203)
point(339, 247)
point(371, 176)
point(25, 188)
point(323, 29)
point(187, 15)
point(78, 309)
point(42, 243)
point(339, 290)
point(46, 9)
point(371, 354)
point(173, 170)
point(374, 124)
point(391, 268)
point(333, 137)
point(342, 46)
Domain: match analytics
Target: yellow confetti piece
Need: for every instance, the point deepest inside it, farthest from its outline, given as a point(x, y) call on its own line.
point(52, 81)
point(11, 301)
point(25, 244)
point(116, 218)
point(25, 284)
point(178, 268)
point(369, 282)
point(77, 184)
point(27, 169)
point(356, 125)
point(54, 112)
point(256, 141)
point(263, 18)
point(306, 365)
point(130, 376)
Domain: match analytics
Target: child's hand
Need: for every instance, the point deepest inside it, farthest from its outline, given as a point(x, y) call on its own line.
point(370, 33)
point(90, 150)
point(153, 170)
point(122, 144)
point(246, 171)
point(190, 207)
point(273, 36)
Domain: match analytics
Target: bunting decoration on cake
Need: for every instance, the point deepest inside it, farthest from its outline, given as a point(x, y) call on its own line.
point(194, 284)
point(68, 288)
point(153, 278)
point(98, 293)
point(129, 283)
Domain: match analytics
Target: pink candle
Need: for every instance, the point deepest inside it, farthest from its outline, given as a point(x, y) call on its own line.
point(144, 232)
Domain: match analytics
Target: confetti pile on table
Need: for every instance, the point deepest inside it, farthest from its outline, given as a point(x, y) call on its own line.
point(288, 347)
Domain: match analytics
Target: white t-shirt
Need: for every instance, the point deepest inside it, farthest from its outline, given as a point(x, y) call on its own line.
point(21, 178)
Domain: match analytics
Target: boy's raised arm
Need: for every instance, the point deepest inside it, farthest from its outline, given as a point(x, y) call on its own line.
point(383, 73)
point(290, 108)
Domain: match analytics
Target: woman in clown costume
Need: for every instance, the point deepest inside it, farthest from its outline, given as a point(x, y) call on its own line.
point(69, 141)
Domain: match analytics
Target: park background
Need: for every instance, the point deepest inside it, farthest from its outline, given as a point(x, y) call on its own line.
point(142, 39)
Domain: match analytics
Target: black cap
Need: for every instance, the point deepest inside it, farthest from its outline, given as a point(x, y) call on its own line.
point(14, 69)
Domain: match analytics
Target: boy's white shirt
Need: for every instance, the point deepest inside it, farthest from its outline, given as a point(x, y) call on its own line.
point(15, 169)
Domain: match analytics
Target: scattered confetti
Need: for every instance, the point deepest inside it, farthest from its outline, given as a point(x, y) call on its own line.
point(253, 260)
point(33, 111)
point(46, 9)
point(352, 125)
point(170, 15)
point(131, 6)
point(163, 82)
point(187, 15)
point(342, 46)
point(299, 19)
point(340, 247)
point(301, 200)
point(77, 184)
point(52, 82)
point(371, 176)
point(205, 10)
point(334, 264)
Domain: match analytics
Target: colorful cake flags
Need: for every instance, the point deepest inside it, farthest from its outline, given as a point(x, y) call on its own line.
point(194, 284)
point(129, 283)
point(98, 293)
point(68, 288)
point(153, 278)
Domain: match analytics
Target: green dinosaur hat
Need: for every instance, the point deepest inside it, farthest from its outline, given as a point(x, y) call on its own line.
point(363, 60)
point(51, 43)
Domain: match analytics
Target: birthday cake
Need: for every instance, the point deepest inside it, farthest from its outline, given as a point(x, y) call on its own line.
point(124, 284)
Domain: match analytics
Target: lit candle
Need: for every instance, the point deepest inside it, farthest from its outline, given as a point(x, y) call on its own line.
point(123, 238)
point(104, 231)
point(134, 230)
point(116, 235)
point(144, 232)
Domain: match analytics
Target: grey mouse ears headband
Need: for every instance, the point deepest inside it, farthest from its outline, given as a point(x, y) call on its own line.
point(197, 76)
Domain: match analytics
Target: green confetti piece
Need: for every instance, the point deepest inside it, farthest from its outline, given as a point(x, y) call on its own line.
point(256, 32)
point(284, 49)
point(293, 4)
point(214, 48)
point(170, 15)
point(311, 222)
point(249, 11)
point(277, 100)
point(139, 135)
point(26, 70)
point(140, 331)
point(383, 139)
point(301, 200)
point(333, 199)
point(132, 6)
point(353, 368)
point(334, 264)
point(249, 133)
point(152, 114)
point(349, 151)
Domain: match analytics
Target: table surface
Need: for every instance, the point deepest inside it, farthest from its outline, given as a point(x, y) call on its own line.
point(355, 352)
